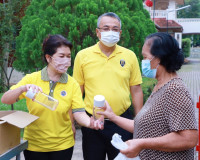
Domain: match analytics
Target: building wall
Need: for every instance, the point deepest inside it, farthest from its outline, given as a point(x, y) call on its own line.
point(190, 25)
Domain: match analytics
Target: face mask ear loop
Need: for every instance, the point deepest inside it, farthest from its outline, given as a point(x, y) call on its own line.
point(152, 58)
point(157, 65)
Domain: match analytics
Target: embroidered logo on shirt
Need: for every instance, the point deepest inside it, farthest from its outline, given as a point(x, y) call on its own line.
point(63, 93)
point(122, 62)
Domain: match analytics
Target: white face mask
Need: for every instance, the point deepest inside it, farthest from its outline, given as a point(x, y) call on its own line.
point(110, 38)
point(60, 64)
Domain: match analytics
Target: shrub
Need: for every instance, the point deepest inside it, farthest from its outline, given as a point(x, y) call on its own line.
point(186, 43)
point(77, 21)
point(147, 87)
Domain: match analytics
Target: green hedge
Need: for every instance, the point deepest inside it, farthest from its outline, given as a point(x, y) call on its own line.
point(186, 47)
point(147, 87)
point(77, 21)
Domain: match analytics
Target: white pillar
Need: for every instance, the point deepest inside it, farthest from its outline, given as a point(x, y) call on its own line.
point(178, 37)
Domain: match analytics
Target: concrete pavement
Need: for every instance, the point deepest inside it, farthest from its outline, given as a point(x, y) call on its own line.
point(78, 154)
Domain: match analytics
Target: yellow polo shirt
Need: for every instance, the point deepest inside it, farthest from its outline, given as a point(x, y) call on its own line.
point(53, 130)
point(109, 76)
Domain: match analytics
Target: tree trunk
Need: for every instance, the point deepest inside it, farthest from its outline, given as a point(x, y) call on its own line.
point(5, 64)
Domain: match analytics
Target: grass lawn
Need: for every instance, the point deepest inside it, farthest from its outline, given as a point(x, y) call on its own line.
point(20, 105)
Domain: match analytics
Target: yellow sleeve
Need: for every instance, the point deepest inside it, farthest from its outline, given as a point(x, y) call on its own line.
point(25, 80)
point(78, 70)
point(77, 100)
point(136, 77)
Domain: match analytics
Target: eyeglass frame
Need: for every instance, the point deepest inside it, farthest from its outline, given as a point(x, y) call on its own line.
point(107, 29)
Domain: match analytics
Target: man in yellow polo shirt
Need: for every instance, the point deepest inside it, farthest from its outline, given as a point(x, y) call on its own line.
point(113, 71)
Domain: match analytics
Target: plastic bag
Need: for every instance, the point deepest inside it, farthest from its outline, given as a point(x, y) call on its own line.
point(119, 144)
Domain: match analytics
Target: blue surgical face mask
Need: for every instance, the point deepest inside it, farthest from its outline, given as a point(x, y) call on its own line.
point(146, 69)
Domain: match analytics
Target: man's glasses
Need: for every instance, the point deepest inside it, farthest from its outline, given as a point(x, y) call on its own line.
point(106, 29)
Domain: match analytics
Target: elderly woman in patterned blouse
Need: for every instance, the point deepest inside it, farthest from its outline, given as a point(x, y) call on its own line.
point(165, 128)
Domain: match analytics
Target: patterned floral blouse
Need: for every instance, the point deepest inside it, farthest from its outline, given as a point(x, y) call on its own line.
point(169, 109)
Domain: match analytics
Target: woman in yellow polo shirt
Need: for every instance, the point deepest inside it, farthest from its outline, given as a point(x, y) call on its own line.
point(51, 136)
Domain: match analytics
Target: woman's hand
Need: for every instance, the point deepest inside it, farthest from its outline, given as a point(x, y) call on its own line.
point(108, 113)
point(34, 88)
point(134, 148)
point(11, 96)
point(97, 124)
point(122, 122)
point(84, 120)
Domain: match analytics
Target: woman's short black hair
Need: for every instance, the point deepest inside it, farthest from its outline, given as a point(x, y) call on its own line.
point(166, 48)
point(52, 42)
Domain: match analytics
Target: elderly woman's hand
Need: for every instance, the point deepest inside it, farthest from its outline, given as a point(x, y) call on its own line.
point(134, 148)
point(108, 112)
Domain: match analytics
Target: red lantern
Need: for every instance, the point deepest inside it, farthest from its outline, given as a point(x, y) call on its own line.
point(149, 3)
